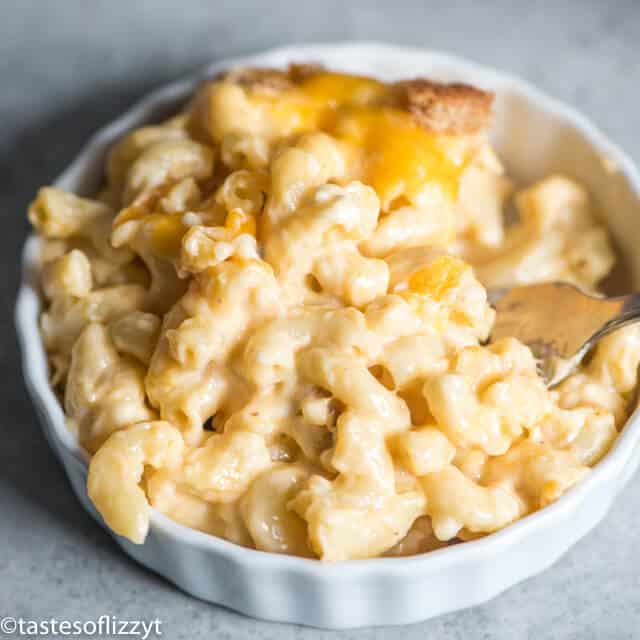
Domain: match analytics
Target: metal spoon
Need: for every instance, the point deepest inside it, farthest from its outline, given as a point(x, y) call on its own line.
point(558, 322)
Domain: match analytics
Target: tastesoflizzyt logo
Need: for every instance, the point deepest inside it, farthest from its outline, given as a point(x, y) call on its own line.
point(107, 626)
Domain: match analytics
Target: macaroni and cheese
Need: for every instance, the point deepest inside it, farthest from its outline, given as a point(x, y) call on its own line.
point(272, 323)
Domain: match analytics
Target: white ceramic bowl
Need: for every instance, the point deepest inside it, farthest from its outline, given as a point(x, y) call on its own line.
point(535, 135)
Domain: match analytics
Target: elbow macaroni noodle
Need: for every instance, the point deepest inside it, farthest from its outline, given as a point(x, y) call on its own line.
point(271, 323)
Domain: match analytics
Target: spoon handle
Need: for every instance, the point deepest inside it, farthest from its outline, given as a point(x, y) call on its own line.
point(629, 312)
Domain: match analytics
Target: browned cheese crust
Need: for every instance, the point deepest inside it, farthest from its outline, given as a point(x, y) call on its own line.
point(450, 109)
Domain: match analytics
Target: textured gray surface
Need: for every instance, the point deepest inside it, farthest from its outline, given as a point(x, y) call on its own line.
point(68, 67)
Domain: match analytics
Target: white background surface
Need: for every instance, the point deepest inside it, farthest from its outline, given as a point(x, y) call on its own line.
point(67, 68)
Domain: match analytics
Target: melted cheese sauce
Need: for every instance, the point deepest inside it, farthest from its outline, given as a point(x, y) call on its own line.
point(385, 146)
point(394, 154)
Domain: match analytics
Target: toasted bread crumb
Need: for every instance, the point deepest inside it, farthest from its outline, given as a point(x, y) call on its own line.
point(275, 80)
point(298, 72)
point(272, 80)
point(445, 108)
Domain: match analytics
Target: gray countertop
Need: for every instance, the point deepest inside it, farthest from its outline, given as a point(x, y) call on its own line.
point(68, 67)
